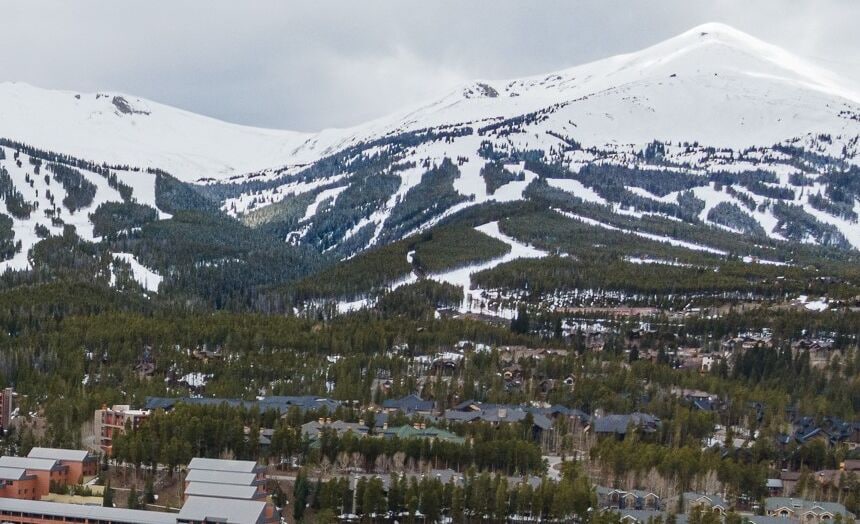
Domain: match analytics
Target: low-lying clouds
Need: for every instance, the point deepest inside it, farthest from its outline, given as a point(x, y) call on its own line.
point(334, 63)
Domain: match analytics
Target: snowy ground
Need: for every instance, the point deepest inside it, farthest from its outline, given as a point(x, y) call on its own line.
point(462, 276)
point(147, 278)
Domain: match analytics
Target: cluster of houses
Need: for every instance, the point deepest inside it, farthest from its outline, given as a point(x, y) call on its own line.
point(829, 430)
point(641, 507)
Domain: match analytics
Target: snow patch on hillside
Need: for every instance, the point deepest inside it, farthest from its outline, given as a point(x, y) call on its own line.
point(147, 278)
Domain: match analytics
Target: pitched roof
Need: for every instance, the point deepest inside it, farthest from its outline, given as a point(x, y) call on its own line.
point(409, 404)
point(92, 513)
point(224, 491)
point(498, 413)
point(12, 473)
point(228, 466)
point(221, 477)
point(281, 404)
point(407, 431)
point(802, 506)
point(72, 455)
point(713, 500)
point(28, 463)
point(221, 510)
point(618, 424)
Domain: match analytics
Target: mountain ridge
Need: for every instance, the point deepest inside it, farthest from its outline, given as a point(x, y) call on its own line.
point(711, 128)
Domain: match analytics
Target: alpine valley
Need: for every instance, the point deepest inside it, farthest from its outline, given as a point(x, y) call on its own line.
point(711, 168)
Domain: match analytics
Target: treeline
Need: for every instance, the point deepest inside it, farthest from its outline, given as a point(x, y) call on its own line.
point(476, 498)
point(188, 431)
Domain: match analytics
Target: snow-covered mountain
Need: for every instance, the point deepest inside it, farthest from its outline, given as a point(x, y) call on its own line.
point(712, 126)
point(712, 100)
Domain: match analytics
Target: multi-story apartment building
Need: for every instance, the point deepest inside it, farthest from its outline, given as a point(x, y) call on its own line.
point(109, 422)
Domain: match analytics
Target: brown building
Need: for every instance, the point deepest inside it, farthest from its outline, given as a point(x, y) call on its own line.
point(16, 483)
point(80, 463)
point(7, 405)
point(113, 421)
point(45, 471)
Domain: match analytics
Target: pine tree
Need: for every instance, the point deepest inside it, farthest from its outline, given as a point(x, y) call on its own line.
point(301, 491)
point(149, 491)
point(132, 502)
point(107, 496)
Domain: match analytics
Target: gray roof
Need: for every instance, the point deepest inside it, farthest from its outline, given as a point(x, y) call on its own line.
point(224, 511)
point(764, 519)
point(12, 473)
point(229, 466)
point(712, 500)
point(223, 491)
point(497, 413)
point(314, 428)
point(281, 404)
point(221, 477)
point(41, 464)
point(129, 516)
point(73, 455)
point(640, 515)
point(409, 404)
point(803, 506)
point(618, 424)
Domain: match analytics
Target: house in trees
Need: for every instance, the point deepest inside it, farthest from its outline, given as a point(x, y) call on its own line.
point(634, 499)
point(618, 425)
point(712, 503)
point(496, 414)
point(801, 510)
point(640, 516)
point(110, 422)
point(422, 431)
point(7, 406)
point(314, 428)
point(409, 405)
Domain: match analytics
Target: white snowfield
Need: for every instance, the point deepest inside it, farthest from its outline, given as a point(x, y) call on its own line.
point(38, 192)
point(462, 276)
point(712, 85)
point(147, 278)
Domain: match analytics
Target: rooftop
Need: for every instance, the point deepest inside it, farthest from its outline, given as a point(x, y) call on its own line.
point(58, 454)
point(12, 473)
point(224, 511)
point(221, 477)
point(28, 463)
point(91, 513)
point(223, 491)
point(228, 466)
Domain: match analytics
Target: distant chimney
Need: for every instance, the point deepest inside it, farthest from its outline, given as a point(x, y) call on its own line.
point(503, 412)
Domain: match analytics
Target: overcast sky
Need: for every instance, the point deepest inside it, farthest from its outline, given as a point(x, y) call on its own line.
point(315, 64)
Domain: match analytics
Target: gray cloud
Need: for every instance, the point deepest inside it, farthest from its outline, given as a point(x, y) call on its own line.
point(321, 63)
